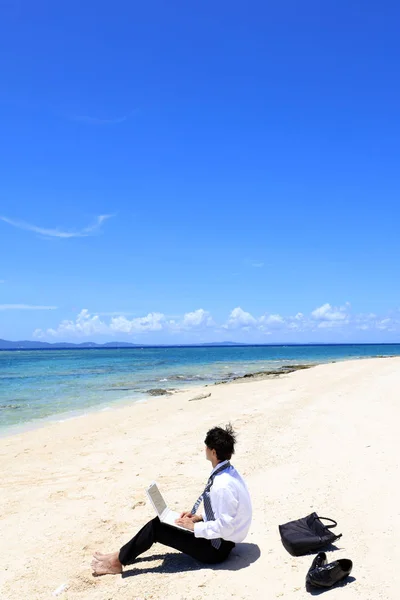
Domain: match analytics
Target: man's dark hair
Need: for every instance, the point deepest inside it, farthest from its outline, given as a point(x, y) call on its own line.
point(222, 441)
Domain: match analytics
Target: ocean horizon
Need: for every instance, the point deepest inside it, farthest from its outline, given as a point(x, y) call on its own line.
point(44, 384)
point(123, 346)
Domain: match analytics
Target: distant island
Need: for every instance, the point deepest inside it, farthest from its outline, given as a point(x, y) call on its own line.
point(29, 345)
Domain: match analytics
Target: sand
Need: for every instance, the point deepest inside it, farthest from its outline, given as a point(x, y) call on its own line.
point(325, 439)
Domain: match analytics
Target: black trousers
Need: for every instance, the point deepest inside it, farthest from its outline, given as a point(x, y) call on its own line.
point(155, 531)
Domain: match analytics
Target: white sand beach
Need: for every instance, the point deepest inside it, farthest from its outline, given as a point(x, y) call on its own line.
point(324, 439)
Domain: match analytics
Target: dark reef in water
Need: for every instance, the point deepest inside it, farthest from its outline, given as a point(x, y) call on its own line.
point(265, 374)
point(158, 392)
point(187, 378)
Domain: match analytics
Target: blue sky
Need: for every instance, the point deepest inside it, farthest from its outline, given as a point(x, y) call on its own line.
point(181, 172)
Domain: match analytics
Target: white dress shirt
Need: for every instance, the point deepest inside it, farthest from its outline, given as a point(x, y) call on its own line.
point(231, 504)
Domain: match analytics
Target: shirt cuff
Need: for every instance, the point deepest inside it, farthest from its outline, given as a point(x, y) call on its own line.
point(199, 529)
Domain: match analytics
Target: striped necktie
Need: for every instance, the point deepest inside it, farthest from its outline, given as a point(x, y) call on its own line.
point(205, 497)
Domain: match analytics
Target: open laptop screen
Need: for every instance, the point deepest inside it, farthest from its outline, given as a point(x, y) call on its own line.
point(158, 500)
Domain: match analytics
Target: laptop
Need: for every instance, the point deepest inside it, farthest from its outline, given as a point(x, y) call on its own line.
point(165, 514)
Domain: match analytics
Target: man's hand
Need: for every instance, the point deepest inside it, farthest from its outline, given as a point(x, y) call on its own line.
point(186, 514)
point(186, 522)
point(194, 518)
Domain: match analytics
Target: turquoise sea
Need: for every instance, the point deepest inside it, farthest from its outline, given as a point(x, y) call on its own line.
point(57, 384)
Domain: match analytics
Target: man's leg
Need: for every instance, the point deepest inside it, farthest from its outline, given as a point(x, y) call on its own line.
point(155, 531)
point(104, 564)
point(184, 541)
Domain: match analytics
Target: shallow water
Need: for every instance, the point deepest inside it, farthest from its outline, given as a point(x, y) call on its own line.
point(39, 384)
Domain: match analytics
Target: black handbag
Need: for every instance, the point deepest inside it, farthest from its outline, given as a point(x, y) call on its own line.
point(307, 535)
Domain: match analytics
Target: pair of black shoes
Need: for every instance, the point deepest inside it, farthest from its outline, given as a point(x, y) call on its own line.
point(323, 575)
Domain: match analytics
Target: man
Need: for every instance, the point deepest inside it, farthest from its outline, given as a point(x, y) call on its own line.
point(225, 521)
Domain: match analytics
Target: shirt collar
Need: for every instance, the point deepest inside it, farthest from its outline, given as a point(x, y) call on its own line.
point(219, 465)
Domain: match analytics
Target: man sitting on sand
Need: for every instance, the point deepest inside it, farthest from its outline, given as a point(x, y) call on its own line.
point(225, 521)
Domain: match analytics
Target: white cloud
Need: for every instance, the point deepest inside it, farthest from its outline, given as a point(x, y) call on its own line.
point(197, 318)
point(372, 321)
point(268, 322)
point(257, 265)
point(151, 322)
point(38, 333)
point(84, 325)
point(2, 280)
point(85, 232)
point(365, 321)
point(87, 324)
point(116, 313)
point(322, 318)
point(330, 324)
point(240, 318)
point(299, 322)
point(384, 324)
point(330, 316)
point(25, 307)
point(272, 319)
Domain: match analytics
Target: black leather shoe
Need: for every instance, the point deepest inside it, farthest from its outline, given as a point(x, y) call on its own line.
point(319, 561)
point(326, 576)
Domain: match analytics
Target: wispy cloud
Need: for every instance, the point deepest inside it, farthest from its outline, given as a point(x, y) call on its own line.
point(2, 280)
point(255, 264)
point(26, 307)
point(85, 232)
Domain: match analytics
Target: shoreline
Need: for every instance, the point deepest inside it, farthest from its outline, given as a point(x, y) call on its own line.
point(146, 397)
point(321, 439)
point(38, 388)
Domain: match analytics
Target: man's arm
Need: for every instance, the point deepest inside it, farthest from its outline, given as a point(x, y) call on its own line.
point(225, 506)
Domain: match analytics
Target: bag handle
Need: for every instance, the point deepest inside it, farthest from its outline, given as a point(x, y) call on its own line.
point(327, 519)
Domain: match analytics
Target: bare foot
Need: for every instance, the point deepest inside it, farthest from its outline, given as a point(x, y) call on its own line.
point(101, 555)
point(106, 565)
